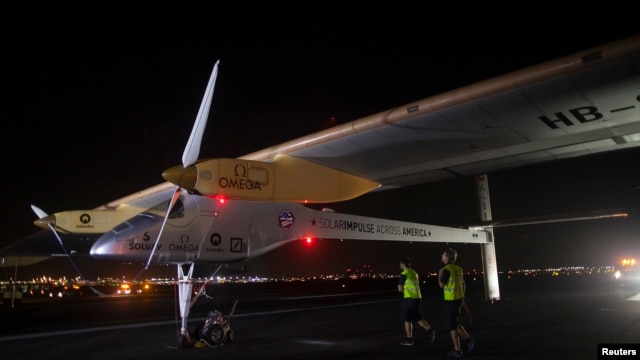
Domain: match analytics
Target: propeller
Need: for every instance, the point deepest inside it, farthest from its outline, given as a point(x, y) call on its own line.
point(192, 150)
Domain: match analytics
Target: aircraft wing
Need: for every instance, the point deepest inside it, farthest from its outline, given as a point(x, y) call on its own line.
point(581, 104)
point(584, 103)
point(43, 245)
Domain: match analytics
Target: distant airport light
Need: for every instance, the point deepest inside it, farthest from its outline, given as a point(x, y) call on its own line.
point(628, 262)
point(124, 289)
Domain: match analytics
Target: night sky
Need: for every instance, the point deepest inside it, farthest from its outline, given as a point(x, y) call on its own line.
point(99, 100)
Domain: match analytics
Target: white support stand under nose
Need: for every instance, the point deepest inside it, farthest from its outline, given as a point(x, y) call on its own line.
point(185, 289)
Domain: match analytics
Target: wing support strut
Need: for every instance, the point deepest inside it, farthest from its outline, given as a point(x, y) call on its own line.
point(488, 250)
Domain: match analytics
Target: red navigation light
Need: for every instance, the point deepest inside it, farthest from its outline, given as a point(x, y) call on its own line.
point(221, 199)
point(308, 241)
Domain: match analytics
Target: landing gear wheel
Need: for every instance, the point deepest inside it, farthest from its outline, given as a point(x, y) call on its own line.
point(217, 334)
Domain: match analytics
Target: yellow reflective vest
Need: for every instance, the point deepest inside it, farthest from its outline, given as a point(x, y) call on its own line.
point(411, 286)
point(454, 288)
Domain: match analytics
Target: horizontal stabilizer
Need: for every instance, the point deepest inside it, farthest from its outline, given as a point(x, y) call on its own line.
point(594, 215)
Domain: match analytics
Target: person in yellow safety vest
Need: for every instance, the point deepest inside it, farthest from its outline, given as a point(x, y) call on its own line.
point(451, 280)
point(410, 312)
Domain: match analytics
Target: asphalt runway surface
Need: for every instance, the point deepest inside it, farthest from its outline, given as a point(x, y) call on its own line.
point(537, 318)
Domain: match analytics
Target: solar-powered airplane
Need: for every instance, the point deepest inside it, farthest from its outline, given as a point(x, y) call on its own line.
point(231, 210)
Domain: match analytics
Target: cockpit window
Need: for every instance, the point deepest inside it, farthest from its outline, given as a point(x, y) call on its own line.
point(178, 210)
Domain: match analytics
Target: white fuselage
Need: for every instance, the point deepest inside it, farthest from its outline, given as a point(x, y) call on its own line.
point(203, 229)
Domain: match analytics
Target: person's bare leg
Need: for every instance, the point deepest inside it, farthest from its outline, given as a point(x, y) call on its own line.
point(463, 333)
point(424, 324)
point(455, 339)
point(408, 328)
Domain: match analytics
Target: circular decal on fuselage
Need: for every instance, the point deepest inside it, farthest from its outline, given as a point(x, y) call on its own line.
point(286, 219)
point(85, 218)
point(215, 239)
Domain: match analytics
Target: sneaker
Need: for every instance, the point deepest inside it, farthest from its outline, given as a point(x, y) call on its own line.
point(407, 341)
point(470, 345)
point(432, 336)
point(454, 354)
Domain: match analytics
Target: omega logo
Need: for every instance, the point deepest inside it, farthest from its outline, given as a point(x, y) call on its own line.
point(242, 172)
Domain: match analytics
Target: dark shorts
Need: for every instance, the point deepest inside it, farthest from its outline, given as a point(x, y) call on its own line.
point(452, 314)
point(410, 310)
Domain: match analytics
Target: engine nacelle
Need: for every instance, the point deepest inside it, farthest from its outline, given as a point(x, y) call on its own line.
point(286, 178)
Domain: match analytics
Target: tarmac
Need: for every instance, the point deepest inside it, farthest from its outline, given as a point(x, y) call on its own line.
point(536, 318)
